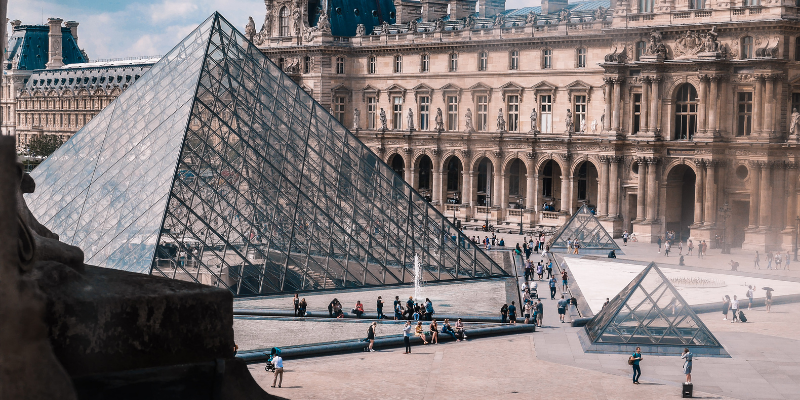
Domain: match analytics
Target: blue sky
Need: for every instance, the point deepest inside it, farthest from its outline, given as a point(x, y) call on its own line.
point(119, 28)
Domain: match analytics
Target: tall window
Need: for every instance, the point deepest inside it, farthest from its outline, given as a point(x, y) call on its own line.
point(645, 6)
point(547, 58)
point(483, 113)
point(283, 22)
point(340, 65)
point(424, 112)
point(338, 108)
point(512, 105)
point(306, 64)
point(372, 111)
point(641, 47)
point(483, 61)
point(397, 112)
point(747, 47)
point(453, 62)
point(547, 180)
point(516, 171)
point(579, 114)
point(797, 48)
point(425, 169)
point(453, 173)
point(452, 113)
point(581, 58)
point(546, 113)
point(686, 112)
point(425, 63)
point(513, 60)
point(372, 65)
point(744, 113)
point(637, 112)
point(398, 64)
point(583, 173)
point(697, 4)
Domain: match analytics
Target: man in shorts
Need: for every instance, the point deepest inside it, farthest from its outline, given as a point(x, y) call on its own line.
point(552, 288)
point(562, 308)
point(539, 313)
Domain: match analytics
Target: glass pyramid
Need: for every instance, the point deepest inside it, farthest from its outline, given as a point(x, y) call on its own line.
point(215, 167)
point(649, 311)
point(587, 230)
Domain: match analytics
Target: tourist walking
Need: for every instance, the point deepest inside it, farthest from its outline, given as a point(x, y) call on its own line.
point(371, 335)
point(302, 307)
point(379, 307)
point(726, 305)
point(407, 337)
point(562, 308)
point(667, 246)
point(680, 248)
point(749, 297)
point(573, 307)
point(778, 260)
point(769, 260)
point(756, 261)
point(526, 312)
point(768, 301)
point(689, 247)
point(540, 270)
point(735, 309)
point(539, 312)
point(788, 260)
point(434, 330)
point(296, 305)
point(277, 361)
point(625, 238)
point(512, 314)
point(634, 360)
point(504, 313)
point(687, 365)
point(564, 278)
point(659, 244)
point(549, 269)
point(552, 288)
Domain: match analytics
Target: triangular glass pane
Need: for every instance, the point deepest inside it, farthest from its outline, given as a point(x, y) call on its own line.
point(584, 228)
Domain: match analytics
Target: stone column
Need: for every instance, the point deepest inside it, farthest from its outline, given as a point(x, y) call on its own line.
point(530, 183)
point(602, 201)
point(503, 203)
point(778, 209)
point(436, 185)
point(699, 188)
point(565, 178)
point(641, 211)
point(55, 54)
point(769, 106)
point(617, 105)
point(609, 93)
point(654, 103)
point(645, 105)
point(652, 190)
point(571, 200)
point(535, 197)
point(712, 105)
point(764, 211)
point(498, 179)
point(791, 187)
point(613, 187)
point(467, 197)
point(701, 107)
point(757, 104)
point(411, 177)
point(710, 212)
point(755, 176)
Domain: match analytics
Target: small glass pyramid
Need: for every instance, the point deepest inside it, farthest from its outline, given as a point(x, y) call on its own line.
point(587, 230)
point(649, 311)
point(215, 167)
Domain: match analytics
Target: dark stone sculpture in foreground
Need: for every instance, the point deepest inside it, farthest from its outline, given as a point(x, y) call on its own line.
point(71, 330)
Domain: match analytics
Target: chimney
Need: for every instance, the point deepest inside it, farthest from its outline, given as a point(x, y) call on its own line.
point(461, 8)
point(55, 59)
point(433, 10)
point(553, 6)
point(73, 29)
point(490, 8)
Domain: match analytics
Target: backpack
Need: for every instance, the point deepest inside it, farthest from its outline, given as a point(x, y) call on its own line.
point(742, 318)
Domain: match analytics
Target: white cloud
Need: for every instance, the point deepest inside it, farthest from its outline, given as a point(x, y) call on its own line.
point(170, 10)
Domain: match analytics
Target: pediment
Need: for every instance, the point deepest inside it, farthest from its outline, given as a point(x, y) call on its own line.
point(480, 86)
point(544, 86)
point(579, 85)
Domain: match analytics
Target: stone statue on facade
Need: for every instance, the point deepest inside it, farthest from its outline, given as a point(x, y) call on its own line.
point(250, 29)
point(501, 122)
point(356, 119)
point(594, 126)
point(412, 26)
point(768, 52)
point(439, 25)
point(468, 123)
point(602, 119)
point(383, 120)
point(292, 66)
point(656, 47)
point(795, 122)
point(385, 28)
point(324, 23)
point(570, 124)
point(564, 15)
point(531, 19)
point(534, 119)
point(617, 57)
point(600, 13)
point(499, 20)
point(361, 30)
point(410, 120)
point(297, 21)
point(583, 126)
point(439, 120)
point(266, 29)
point(709, 41)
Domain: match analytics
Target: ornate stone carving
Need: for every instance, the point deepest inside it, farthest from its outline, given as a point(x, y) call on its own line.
point(383, 120)
point(356, 119)
point(250, 29)
point(534, 118)
point(501, 122)
point(656, 48)
point(468, 122)
point(361, 30)
point(768, 52)
point(439, 120)
point(617, 57)
point(410, 118)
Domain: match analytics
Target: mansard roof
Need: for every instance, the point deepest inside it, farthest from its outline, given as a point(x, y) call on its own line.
point(29, 46)
point(92, 76)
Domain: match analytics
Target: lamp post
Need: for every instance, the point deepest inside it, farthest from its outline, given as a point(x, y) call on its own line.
point(521, 202)
point(486, 203)
point(725, 210)
point(455, 205)
point(796, 234)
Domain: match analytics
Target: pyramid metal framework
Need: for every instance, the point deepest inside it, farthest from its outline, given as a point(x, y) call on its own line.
point(216, 167)
point(586, 229)
point(649, 311)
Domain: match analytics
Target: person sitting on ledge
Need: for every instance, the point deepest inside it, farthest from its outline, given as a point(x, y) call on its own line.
point(359, 309)
point(502, 242)
point(420, 333)
point(337, 310)
point(446, 328)
point(612, 254)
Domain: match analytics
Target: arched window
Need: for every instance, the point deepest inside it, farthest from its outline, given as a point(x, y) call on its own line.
point(398, 64)
point(283, 22)
point(453, 62)
point(686, 112)
point(581, 58)
point(513, 62)
point(747, 47)
point(372, 65)
point(483, 61)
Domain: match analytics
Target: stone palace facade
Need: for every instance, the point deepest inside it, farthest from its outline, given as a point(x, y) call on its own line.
point(676, 116)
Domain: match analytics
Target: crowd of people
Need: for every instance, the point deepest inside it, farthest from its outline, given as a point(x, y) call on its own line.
point(777, 258)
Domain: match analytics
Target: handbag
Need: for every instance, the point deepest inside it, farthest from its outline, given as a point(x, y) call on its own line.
point(630, 360)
